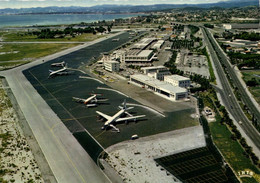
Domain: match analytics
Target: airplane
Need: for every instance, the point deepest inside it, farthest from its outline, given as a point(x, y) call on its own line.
point(60, 64)
point(91, 101)
point(116, 118)
point(62, 71)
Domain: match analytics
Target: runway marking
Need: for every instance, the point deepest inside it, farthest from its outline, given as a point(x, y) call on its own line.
point(58, 141)
point(69, 119)
point(100, 134)
point(76, 107)
point(68, 112)
point(86, 77)
point(58, 83)
point(110, 89)
point(148, 108)
point(55, 125)
point(61, 89)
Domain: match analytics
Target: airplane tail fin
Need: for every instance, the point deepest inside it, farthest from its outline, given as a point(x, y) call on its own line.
point(63, 63)
point(50, 71)
point(97, 94)
point(125, 106)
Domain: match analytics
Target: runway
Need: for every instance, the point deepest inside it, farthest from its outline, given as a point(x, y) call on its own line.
point(67, 159)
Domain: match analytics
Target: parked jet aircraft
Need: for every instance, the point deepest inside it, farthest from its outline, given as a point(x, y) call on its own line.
point(60, 64)
point(111, 120)
point(91, 101)
point(62, 71)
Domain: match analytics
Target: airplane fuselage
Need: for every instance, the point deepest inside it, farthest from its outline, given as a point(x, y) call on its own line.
point(115, 117)
point(57, 72)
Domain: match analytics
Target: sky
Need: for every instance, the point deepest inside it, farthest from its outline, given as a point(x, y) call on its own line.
point(86, 3)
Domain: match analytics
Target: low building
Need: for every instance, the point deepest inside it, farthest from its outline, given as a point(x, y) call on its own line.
point(157, 72)
point(158, 45)
point(137, 57)
point(112, 66)
point(143, 43)
point(160, 88)
point(147, 70)
point(240, 26)
point(177, 80)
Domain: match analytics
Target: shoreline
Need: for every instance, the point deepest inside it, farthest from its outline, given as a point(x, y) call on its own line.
point(64, 23)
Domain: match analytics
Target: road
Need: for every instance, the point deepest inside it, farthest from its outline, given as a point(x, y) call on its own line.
point(68, 161)
point(230, 100)
point(237, 83)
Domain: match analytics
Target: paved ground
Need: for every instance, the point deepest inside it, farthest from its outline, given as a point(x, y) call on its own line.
point(68, 161)
point(134, 160)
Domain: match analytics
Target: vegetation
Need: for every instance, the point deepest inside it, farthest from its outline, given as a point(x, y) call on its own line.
point(248, 36)
point(193, 29)
point(50, 34)
point(245, 60)
point(24, 53)
point(252, 79)
point(228, 139)
point(178, 44)
point(28, 36)
point(171, 64)
point(209, 26)
point(211, 71)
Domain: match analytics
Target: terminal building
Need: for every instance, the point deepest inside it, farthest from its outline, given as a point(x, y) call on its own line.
point(160, 88)
point(177, 80)
point(139, 57)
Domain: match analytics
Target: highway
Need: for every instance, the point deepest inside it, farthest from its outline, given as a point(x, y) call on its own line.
point(229, 98)
point(244, 96)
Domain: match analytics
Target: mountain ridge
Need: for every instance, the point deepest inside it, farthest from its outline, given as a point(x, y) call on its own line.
point(110, 8)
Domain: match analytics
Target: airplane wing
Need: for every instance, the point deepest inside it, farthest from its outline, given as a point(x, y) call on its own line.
point(115, 128)
point(129, 118)
point(101, 100)
point(103, 115)
point(128, 113)
point(78, 99)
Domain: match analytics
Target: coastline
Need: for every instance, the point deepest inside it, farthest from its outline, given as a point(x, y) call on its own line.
point(62, 19)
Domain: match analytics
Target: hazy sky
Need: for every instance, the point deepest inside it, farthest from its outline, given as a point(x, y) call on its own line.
point(43, 3)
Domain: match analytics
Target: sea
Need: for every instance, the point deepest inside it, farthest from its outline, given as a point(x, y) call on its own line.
point(56, 19)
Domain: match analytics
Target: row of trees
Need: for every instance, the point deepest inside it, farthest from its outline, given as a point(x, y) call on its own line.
point(248, 36)
point(224, 119)
point(48, 33)
point(178, 44)
point(209, 26)
point(236, 135)
point(252, 82)
point(242, 60)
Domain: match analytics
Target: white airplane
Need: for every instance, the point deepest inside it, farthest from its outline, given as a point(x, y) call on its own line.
point(60, 64)
point(62, 71)
point(116, 118)
point(91, 101)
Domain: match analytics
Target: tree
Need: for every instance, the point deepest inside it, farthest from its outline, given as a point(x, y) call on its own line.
point(108, 29)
